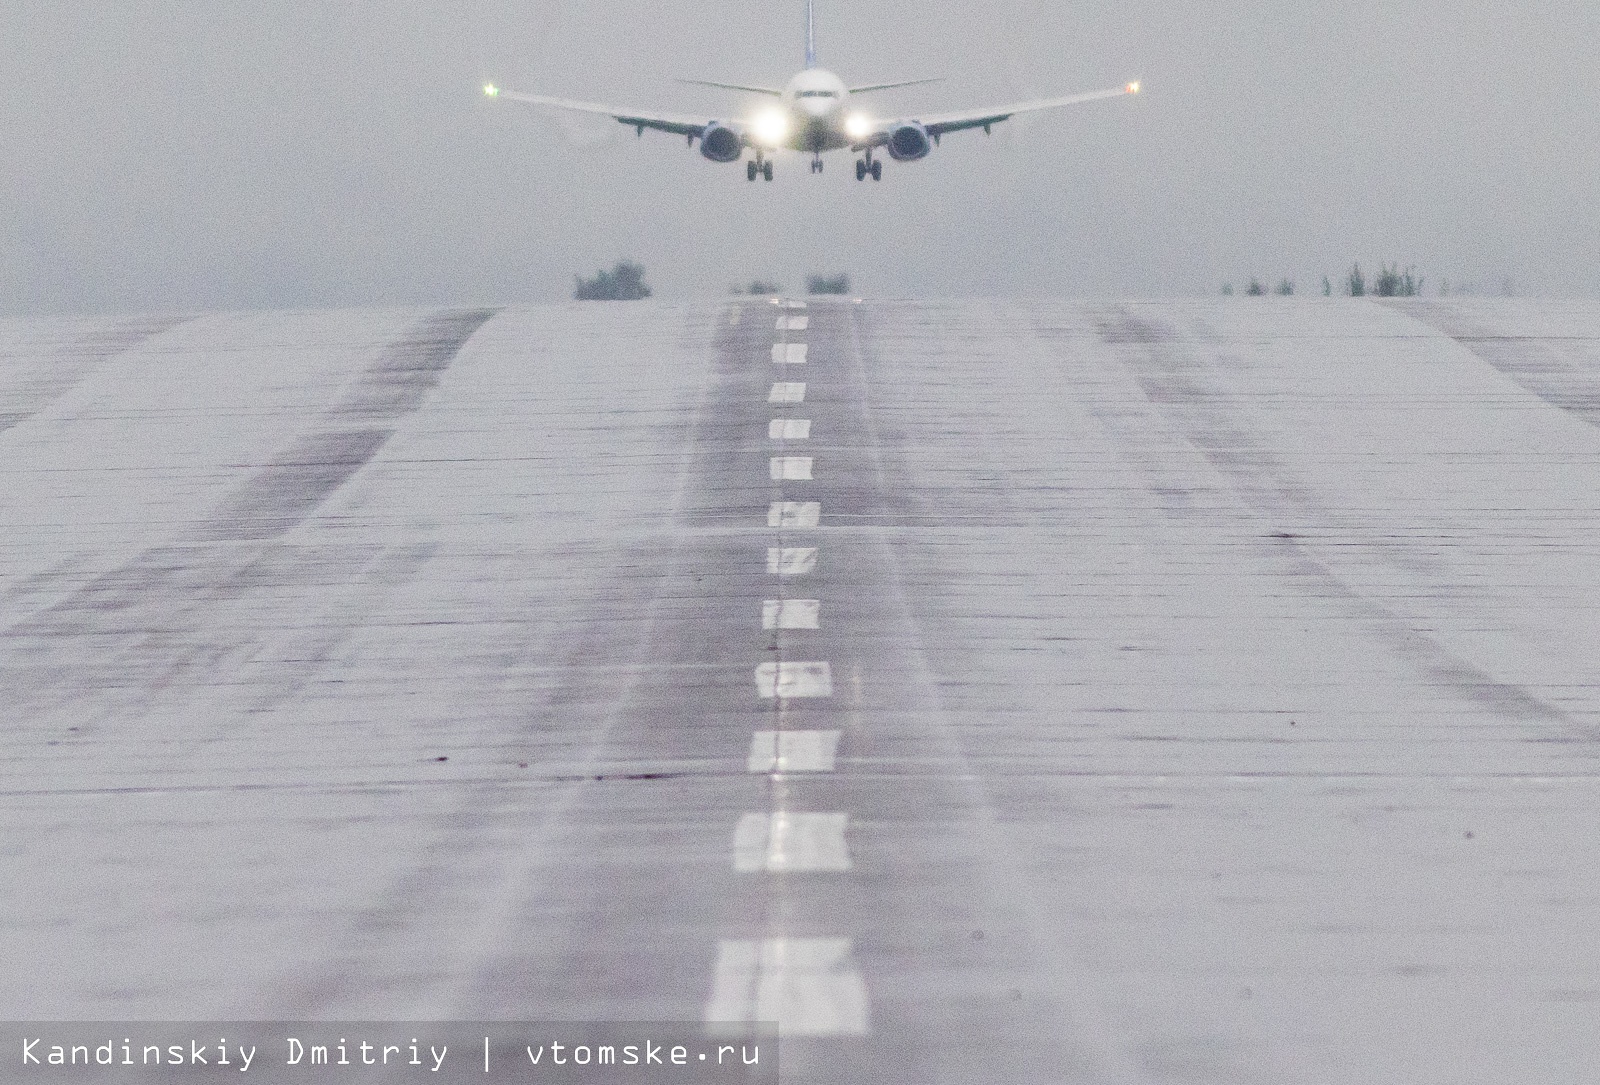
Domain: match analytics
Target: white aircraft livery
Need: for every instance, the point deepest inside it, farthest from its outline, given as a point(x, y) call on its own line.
point(813, 113)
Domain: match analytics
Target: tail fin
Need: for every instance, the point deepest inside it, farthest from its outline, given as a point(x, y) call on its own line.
point(811, 38)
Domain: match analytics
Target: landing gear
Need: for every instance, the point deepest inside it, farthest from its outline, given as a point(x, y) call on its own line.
point(750, 171)
point(861, 170)
point(766, 170)
point(868, 165)
point(757, 168)
point(816, 163)
point(877, 171)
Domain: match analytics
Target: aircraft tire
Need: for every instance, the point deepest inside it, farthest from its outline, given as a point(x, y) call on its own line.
point(749, 171)
point(766, 171)
point(877, 171)
point(861, 170)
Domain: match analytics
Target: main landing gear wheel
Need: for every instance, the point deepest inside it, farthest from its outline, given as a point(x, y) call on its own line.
point(861, 170)
point(816, 164)
point(877, 171)
point(749, 171)
point(766, 170)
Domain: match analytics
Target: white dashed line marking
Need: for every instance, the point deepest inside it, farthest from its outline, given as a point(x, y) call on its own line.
point(792, 323)
point(791, 560)
point(795, 679)
point(785, 841)
point(790, 613)
point(810, 986)
point(787, 392)
point(794, 514)
point(789, 429)
point(792, 468)
point(792, 751)
point(789, 353)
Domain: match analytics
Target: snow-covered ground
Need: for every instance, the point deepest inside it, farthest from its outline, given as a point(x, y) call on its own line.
point(1214, 681)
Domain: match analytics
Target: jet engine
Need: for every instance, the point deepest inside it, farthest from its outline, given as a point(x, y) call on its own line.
point(908, 141)
point(721, 143)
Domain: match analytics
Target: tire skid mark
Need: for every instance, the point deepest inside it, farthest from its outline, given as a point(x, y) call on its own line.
point(141, 613)
point(282, 494)
point(73, 360)
point(1561, 370)
point(142, 617)
point(1174, 383)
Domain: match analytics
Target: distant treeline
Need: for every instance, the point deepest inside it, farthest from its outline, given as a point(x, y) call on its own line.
point(828, 284)
point(759, 286)
point(624, 282)
point(1390, 282)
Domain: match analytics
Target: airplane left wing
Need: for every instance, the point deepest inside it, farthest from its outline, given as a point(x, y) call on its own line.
point(940, 123)
point(677, 123)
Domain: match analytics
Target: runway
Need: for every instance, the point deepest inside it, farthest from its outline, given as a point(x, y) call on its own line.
point(986, 691)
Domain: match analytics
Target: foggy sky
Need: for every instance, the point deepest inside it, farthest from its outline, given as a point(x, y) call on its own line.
point(199, 154)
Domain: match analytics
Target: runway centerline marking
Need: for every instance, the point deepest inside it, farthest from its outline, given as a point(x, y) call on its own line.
point(791, 468)
point(790, 841)
point(794, 514)
point(793, 323)
point(789, 429)
point(789, 679)
point(790, 613)
point(787, 392)
point(788, 354)
point(792, 751)
point(810, 986)
point(791, 560)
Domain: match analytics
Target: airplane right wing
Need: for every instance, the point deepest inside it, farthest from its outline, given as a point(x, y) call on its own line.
point(938, 124)
point(677, 123)
point(774, 91)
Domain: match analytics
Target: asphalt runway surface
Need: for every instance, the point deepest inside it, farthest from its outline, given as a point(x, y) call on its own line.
point(1025, 692)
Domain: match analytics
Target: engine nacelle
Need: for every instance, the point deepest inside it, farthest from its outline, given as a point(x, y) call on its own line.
point(721, 143)
point(908, 141)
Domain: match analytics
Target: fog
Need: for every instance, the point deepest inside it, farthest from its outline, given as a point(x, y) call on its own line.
point(185, 155)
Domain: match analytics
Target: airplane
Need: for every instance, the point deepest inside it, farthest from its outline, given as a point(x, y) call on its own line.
point(812, 114)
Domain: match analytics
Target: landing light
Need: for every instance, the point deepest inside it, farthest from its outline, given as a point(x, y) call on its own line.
point(857, 126)
point(771, 127)
point(491, 90)
point(1133, 88)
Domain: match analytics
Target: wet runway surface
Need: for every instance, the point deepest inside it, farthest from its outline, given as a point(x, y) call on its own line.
point(1034, 692)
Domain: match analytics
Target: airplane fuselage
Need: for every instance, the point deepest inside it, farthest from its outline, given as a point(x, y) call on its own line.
point(811, 115)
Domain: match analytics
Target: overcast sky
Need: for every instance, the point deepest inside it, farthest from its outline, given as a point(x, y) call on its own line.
point(186, 154)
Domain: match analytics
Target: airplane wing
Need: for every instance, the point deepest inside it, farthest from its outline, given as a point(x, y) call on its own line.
point(677, 123)
point(901, 83)
point(774, 91)
point(940, 123)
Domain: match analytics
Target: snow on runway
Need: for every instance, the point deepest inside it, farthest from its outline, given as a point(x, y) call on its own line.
point(1113, 692)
